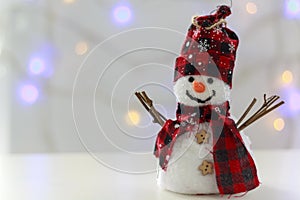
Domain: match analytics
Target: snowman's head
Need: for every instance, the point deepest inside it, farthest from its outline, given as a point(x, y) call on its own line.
point(200, 90)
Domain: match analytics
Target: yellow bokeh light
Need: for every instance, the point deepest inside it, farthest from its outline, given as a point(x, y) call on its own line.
point(81, 48)
point(251, 8)
point(133, 117)
point(68, 1)
point(287, 76)
point(279, 124)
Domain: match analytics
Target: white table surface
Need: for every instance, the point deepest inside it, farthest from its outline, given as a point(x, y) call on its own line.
point(79, 176)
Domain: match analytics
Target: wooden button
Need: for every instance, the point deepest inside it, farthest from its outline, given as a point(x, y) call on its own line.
point(202, 136)
point(206, 167)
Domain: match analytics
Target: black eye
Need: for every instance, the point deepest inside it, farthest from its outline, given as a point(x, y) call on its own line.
point(210, 80)
point(191, 79)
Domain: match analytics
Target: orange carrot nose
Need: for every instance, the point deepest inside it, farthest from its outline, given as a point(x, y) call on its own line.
point(198, 87)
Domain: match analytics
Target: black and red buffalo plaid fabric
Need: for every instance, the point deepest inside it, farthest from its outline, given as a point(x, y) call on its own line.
point(235, 169)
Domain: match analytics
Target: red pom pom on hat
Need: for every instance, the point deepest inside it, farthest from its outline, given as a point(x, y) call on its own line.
point(208, 20)
point(223, 12)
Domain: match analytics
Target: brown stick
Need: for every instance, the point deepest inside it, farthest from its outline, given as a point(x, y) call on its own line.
point(264, 106)
point(273, 101)
point(264, 109)
point(257, 117)
point(148, 105)
point(151, 105)
point(261, 109)
point(246, 112)
point(139, 96)
point(269, 110)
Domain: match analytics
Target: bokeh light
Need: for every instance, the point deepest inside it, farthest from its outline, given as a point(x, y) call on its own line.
point(287, 77)
point(37, 66)
point(291, 96)
point(279, 124)
point(251, 8)
point(292, 8)
point(29, 93)
point(42, 61)
point(294, 101)
point(122, 14)
point(133, 118)
point(81, 48)
point(68, 1)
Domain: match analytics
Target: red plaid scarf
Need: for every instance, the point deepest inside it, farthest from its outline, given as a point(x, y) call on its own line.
point(234, 167)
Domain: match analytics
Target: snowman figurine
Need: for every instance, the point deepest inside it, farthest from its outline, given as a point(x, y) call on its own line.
point(202, 151)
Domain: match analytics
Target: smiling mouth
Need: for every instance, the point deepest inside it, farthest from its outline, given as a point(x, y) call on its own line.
point(200, 100)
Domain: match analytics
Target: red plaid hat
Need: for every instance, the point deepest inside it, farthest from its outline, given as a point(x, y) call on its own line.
point(208, 52)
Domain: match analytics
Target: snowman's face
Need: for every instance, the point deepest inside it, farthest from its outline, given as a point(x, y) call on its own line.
point(201, 90)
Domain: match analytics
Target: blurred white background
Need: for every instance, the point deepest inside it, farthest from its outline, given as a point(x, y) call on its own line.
point(44, 43)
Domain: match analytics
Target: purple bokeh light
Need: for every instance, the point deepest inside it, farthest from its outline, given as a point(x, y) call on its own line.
point(294, 99)
point(41, 62)
point(29, 93)
point(292, 9)
point(122, 14)
point(37, 66)
point(291, 96)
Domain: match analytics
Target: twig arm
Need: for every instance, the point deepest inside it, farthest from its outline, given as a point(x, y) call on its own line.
point(262, 111)
point(246, 112)
point(257, 117)
point(148, 105)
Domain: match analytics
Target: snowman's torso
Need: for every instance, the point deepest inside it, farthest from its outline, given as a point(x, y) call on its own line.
point(183, 174)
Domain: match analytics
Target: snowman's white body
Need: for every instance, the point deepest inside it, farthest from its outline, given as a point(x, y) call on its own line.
point(182, 174)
